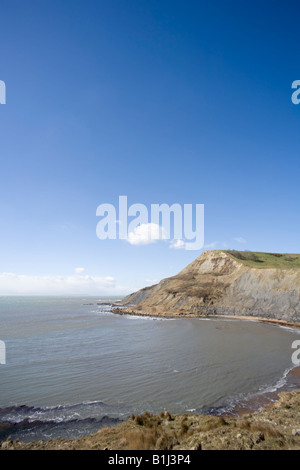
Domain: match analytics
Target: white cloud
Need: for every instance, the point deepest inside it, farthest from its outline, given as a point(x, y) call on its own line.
point(79, 270)
point(240, 240)
point(22, 284)
point(145, 234)
point(177, 245)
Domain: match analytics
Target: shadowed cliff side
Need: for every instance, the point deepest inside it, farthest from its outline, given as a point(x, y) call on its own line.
point(226, 283)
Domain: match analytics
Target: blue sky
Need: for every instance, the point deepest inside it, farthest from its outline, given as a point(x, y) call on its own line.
point(162, 101)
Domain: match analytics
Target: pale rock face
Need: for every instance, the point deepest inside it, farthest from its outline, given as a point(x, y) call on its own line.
point(215, 283)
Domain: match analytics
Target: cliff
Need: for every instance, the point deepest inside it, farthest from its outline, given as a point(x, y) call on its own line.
point(263, 285)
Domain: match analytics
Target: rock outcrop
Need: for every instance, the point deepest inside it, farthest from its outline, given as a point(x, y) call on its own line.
point(218, 283)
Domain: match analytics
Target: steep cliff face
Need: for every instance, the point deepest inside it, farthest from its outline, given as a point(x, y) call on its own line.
point(217, 283)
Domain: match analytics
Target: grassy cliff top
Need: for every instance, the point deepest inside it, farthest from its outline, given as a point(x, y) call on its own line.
point(255, 259)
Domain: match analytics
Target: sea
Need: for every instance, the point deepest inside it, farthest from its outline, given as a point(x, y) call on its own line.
point(73, 366)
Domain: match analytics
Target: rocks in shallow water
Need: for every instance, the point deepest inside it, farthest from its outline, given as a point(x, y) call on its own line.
point(275, 427)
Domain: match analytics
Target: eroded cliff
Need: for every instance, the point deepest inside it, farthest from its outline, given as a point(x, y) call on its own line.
point(219, 283)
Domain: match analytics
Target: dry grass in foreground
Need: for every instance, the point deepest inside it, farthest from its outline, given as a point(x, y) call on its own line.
point(276, 427)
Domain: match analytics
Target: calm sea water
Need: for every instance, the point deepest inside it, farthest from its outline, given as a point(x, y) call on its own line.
point(73, 366)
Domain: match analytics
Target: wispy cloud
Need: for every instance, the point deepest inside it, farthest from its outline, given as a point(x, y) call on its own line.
point(240, 240)
point(79, 270)
point(178, 245)
point(211, 245)
point(22, 284)
point(151, 281)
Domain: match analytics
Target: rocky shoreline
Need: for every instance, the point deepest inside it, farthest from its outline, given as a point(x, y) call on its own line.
point(129, 311)
point(276, 427)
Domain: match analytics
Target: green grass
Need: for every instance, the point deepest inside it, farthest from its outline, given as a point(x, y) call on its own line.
point(256, 259)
